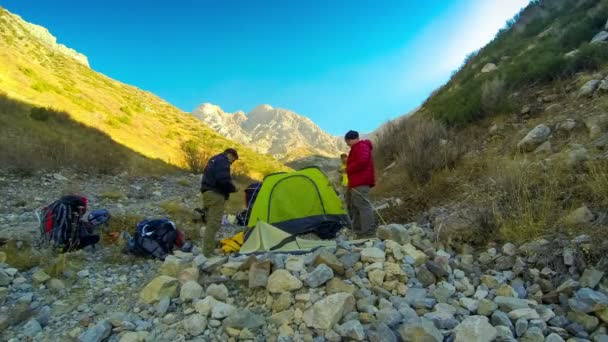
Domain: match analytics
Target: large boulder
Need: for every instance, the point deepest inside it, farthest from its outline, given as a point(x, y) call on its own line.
point(602, 36)
point(581, 215)
point(588, 88)
point(325, 313)
point(534, 138)
point(489, 67)
point(161, 286)
point(474, 328)
point(282, 281)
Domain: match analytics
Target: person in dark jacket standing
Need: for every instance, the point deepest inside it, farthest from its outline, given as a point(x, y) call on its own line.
point(216, 187)
point(361, 178)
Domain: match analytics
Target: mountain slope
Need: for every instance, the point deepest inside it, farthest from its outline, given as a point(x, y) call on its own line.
point(279, 132)
point(36, 70)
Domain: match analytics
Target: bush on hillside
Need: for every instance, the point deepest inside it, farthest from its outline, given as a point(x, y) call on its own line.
point(419, 145)
point(195, 157)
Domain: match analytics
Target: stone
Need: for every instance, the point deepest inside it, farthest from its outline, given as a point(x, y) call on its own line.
point(526, 313)
point(376, 277)
point(581, 215)
point(328, 311)
point(425, 277)
point(379, 332)
point(489, 67)
point(199, 261)
point(511, 303)
point(219, 292)
point(134, 336)
point(533, 334)
point(389, 316)
point(470, 304)
point(601, 36)
point(586, 300)
point(55, 285)
point(188, 274)
point(40, 277)
point(534, 138)
point(588, 88)
point(587, 321)
point(372, 254)
point(437, 269)
point(97, 333)
point(282, 318)
point(259, 273)
point(336, 285)
point(173, 266)
point(241, 319)
point(501, 318)
point(553, 337)
point(569, 285)
point(282, 281)
point(443, 291)
point(418, 256)
point(190, 291)
point(352, 330)
point(294, 263)
point(442, 320)
point(329, 259)
point(195, 324)
point(474, 328)
point(163, 306)
point(486, 307)
point(161, 286)
point(283, 302)
point(596, 125)
point(521, 325)
point(32, 328)
point(505, 290)
point(3, 257)
point(393, 232)
point(590, 278)
point(421, 330)
point(319, 276)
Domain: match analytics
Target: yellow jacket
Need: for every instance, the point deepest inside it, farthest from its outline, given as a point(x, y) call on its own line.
point(344, 175)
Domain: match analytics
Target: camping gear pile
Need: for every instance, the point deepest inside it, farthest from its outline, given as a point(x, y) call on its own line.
point(62, 223)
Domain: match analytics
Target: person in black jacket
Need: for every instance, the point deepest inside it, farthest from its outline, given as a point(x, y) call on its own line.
point(216, 187)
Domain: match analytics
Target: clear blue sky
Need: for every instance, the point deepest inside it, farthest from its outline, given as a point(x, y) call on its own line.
point(345, 64)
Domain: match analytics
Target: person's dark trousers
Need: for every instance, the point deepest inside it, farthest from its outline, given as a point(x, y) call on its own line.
point(362, 213)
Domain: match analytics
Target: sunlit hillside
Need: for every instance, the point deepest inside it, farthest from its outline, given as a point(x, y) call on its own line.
point(35, 71)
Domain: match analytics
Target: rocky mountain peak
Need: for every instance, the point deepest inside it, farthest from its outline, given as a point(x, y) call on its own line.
point(276, 131)
point(43, 35)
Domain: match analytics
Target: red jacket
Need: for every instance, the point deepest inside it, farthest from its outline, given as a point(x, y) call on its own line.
point(360, 165)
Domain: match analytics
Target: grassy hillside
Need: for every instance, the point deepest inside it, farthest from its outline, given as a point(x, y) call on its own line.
point(456, 161)
point(530, 50)
point(32, 72)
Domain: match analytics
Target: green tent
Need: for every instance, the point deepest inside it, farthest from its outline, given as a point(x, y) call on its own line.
point(299, 202)
point(266, 238)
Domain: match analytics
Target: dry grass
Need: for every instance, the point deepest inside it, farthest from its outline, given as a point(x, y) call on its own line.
point(112, 194)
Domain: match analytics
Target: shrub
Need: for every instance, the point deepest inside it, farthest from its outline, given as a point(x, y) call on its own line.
point(196, 158)
point(590, 57)
point(420, 145)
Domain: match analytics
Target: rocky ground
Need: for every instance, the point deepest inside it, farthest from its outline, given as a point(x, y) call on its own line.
point(402, 286)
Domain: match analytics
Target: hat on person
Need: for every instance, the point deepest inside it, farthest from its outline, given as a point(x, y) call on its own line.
point(351, 135)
